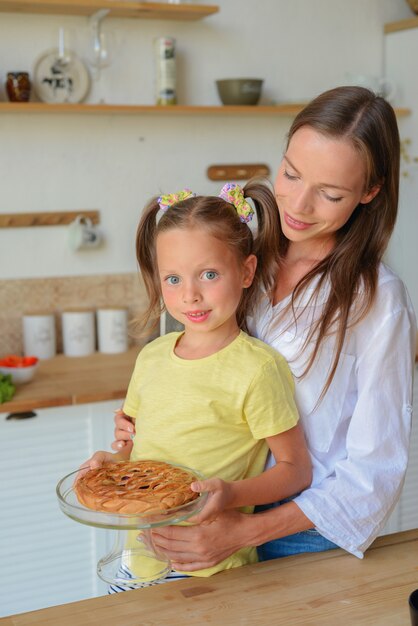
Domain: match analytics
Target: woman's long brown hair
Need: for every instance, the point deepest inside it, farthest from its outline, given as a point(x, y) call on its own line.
point(220, 220)
point(368, 122)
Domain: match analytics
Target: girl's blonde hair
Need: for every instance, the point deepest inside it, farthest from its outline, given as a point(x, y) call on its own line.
point(219, 219)
point(368, 122)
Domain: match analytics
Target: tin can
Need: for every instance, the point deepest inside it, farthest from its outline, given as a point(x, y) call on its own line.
point(165, 69)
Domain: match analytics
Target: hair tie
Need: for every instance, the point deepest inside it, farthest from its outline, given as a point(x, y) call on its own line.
point(234, 194)
point(169, 199)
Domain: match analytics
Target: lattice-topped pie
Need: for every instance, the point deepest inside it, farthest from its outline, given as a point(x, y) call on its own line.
point(135, 487)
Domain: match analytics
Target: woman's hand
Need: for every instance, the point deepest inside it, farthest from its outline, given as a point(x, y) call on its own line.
point(124, 432)
point(219, 498)
point(196, 547)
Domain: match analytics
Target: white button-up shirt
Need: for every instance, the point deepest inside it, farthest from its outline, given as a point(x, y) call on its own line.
point(358, 435)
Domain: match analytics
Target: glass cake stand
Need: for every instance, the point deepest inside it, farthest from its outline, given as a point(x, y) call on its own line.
point(133, 558)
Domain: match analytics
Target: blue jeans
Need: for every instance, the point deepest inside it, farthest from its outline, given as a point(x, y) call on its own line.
point(305, 541)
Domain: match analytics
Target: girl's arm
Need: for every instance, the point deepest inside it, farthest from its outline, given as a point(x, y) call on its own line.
point(124, 430)
point(100, 458)
point(291, 474)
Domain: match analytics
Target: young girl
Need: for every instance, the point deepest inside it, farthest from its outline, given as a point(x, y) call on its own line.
point(211, 397)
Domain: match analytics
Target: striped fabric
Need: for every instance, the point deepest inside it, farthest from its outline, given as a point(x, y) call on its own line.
point(125, 573)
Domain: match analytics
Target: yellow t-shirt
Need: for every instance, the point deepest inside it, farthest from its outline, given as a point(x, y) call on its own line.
point(211, 414)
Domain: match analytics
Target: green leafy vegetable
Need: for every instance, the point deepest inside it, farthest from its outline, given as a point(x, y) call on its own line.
point(7, 388)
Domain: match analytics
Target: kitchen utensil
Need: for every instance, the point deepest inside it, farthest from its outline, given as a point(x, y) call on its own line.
point(60, 78)
point(18, 86)
point(239, 90)
point(150, 565)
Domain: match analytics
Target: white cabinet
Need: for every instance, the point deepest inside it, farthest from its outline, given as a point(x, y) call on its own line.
point(46, 558)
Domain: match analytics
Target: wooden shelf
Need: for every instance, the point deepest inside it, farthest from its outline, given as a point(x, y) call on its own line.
point(393, 27)
point(117, 8)
point(290, 109)
point(61, 218)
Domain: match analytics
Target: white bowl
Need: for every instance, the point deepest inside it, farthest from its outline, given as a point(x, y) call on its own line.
point(20, 375)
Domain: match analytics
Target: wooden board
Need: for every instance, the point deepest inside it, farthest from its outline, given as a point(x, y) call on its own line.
point(132, 109)
point(323, 589)
point(56, 218)
point(284, 109)
point(243, 171)
point(393, 27)
point(116, 8)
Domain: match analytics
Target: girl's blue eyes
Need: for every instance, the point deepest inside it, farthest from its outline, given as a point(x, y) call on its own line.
point(208, 275)
point(330, 198)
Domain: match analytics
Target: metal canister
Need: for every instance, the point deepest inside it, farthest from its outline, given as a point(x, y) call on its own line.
point(165, 69)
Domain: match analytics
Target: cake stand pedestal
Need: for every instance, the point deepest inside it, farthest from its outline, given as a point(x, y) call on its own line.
point(133, 559)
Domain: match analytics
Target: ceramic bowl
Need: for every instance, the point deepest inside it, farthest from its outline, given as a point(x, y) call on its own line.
point(20, 375)
point(239, 90)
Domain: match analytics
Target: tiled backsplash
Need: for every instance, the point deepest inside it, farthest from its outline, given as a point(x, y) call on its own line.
point(56, 294)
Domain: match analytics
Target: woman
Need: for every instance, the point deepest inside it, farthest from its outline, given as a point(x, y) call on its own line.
point(346, 326)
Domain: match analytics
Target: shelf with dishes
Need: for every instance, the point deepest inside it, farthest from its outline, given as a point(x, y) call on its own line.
point(283, 109)
point(115, 8)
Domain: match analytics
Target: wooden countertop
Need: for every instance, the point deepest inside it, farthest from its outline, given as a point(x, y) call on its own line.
point(322, 589)
point(65, 380)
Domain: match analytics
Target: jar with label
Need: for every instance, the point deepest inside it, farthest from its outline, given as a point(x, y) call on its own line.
point(112, 329)
point(78, 332)
point(39, 336)
point(165, 68)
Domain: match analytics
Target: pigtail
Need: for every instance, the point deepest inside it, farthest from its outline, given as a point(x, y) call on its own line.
point(266, 237)
point(147, 262)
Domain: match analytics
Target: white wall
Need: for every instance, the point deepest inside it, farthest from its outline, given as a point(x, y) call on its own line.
point(115, 163)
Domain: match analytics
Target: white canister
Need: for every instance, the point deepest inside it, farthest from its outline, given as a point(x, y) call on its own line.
point(78, 332)
point(39, 337)
point(112, 329)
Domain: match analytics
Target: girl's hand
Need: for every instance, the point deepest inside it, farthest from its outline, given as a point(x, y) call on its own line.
point(219, 498)
point(124, 432)
point(97, 460)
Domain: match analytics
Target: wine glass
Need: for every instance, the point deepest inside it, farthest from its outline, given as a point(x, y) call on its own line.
point(100, 47)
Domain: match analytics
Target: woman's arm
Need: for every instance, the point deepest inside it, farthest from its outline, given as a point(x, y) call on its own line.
point(291, 474)
point(192, 548)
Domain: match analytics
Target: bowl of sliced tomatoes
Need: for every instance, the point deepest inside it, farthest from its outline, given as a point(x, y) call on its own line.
point(21, 368)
